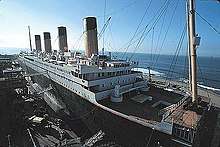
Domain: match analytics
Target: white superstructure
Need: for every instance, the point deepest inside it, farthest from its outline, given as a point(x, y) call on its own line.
point(94, 78)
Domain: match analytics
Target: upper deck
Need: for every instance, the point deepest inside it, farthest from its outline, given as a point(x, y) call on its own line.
point(82, 65)
point(98, 78)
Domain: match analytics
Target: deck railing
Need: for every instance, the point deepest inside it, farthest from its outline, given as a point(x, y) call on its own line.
point(169, 109)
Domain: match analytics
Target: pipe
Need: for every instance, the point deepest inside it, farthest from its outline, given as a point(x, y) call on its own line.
point(90, 34)
point(32, 140)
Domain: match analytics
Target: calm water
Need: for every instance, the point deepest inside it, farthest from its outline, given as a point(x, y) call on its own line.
point(208, 67)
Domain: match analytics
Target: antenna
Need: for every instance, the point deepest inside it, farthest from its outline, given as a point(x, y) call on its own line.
point(29, 30)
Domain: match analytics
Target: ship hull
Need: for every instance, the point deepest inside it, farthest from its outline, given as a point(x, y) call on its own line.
point(127, 132)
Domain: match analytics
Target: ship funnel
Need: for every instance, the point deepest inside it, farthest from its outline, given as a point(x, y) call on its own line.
point(38, 43)
point(47, 42)
point(62, 39)
point(90, 34)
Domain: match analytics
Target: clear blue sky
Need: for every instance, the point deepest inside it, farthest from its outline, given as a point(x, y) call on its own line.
point(47, 15)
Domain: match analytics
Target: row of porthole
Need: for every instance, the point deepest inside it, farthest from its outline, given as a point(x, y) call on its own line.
point(103, 85)
point(54, 67)
point(72, 89)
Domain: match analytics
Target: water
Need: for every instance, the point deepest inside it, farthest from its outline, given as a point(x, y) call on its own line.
point(176, 69)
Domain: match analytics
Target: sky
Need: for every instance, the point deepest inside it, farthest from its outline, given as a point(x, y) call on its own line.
point(126, 15)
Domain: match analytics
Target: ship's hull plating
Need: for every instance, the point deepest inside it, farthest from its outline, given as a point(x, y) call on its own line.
point(126, 131)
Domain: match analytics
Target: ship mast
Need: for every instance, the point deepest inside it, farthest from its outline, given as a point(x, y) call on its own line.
point(188, 46)
point(29, 31)
point(193, 43)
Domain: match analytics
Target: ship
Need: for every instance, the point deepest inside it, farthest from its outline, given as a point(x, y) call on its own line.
point(108, 94)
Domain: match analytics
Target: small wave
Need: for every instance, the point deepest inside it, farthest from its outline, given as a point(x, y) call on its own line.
point(209, 88)
point(146, 71)
point(200, 84)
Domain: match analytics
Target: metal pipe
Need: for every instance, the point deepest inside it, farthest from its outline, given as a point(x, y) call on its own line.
point(9, 140)
point(32, 139)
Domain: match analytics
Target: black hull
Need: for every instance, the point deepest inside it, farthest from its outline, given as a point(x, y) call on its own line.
point(129, 133)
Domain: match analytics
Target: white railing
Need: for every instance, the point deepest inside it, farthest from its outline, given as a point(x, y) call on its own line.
point(168, 110)
point(133, 86)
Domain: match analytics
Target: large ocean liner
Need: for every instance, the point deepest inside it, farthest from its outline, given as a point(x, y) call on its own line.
point(109, 94)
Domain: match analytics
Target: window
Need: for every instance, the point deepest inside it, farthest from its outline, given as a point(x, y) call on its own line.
point(178, 132)
point(187, 134)
point(98, 74)
point(181, 134)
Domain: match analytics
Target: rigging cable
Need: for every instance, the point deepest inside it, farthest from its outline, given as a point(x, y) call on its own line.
point(135, 33)
point(152, 45)
point(103, 38)
point(148, 143)
point(143, 35)
point(160, 31)
point(180, 47)
point(174, 60)
point(78, 41)
point(111, 36)
point(213, 28)
point(132, 41)
point(186, 72)
point(202, 77)
point(165, 36)
point(120, 9)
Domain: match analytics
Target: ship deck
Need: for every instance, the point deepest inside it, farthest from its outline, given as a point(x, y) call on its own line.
point(146, 106)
